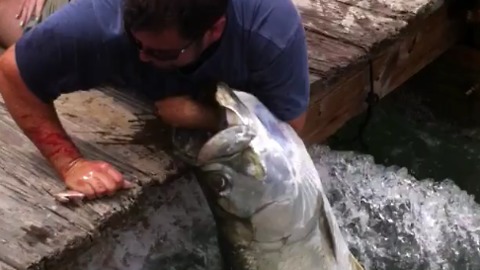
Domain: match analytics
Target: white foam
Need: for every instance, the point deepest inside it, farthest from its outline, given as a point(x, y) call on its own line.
point(393, 221)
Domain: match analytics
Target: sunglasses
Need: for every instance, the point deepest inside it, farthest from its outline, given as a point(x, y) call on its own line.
point(160, 55)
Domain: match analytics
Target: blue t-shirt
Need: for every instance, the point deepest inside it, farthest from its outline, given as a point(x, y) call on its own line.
point(83, 45)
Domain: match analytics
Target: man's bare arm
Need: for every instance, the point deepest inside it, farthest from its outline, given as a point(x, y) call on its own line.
point(38, 120)
point(298, 123)
point(185, 112)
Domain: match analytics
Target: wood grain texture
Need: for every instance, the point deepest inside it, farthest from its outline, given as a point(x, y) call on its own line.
point(409, 55)
point(345, 33)
point(107, 125)
point(329, 113)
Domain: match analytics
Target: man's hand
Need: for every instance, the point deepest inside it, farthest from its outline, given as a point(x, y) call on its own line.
point(29, 9)
point(94, 179)
point(40, 123)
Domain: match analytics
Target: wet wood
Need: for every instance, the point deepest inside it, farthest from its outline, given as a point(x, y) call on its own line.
point(349, 38)
point(35, 231)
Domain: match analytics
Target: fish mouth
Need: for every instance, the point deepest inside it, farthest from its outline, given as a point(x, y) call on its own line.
point(237, 130)
point(236, 113)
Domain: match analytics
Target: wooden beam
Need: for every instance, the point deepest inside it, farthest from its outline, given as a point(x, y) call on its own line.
point(407, 42)
point(429, 39)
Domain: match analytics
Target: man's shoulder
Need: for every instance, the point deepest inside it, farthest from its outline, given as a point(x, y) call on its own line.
point(84, 18)
point(86, 27)
point(277, 21)
point(77, 47)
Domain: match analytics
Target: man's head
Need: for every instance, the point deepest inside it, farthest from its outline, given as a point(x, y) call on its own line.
point(173, 33)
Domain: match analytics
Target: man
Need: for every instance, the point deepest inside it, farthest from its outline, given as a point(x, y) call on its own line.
point(163, 48)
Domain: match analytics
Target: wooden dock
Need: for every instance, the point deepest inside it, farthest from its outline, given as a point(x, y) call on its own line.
point(38, 233)
point(354, 47)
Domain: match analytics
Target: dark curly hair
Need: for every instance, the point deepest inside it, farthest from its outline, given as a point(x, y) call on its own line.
point(192, 18)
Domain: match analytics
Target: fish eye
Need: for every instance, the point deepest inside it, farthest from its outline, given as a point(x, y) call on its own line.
point(219, 183)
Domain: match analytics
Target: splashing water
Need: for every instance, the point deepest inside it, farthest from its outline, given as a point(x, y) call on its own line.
point(393, 221)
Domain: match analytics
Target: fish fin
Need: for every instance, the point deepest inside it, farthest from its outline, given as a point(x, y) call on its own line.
point(334, 236)
point(355, 263)
point(332, 230)
point(326, 228)
point(227, 142)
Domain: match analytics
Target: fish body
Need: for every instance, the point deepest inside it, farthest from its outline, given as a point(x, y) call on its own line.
point(264, 191)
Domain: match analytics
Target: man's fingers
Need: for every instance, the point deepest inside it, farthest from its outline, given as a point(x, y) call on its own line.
point(98, 186)
point(116, 176)
point(30, 10)
point(27, 9)
point(102, 179)
point(26, 13)
point(109, 183)
point(20, 10)
point(127, 184)
point(88, 190)
point(39, 8)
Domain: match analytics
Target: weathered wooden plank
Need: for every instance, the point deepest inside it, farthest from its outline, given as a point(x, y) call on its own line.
point(337, 103)
point(347, 32)
point(329, 59)
point(416, 49)
point(394, 39)
point(349, 23)
point(34, 228)
point(398, 9)
point(5, 267)
point(333, 45)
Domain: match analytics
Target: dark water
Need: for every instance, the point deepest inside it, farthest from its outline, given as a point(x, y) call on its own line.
point(393, 221)
point(411, 130)
point(411, 202)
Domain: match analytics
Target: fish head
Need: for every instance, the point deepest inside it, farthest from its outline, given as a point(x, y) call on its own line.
point(240, 170)
point(199, 147)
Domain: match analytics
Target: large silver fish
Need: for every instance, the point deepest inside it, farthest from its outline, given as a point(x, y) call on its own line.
point(264, 191)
